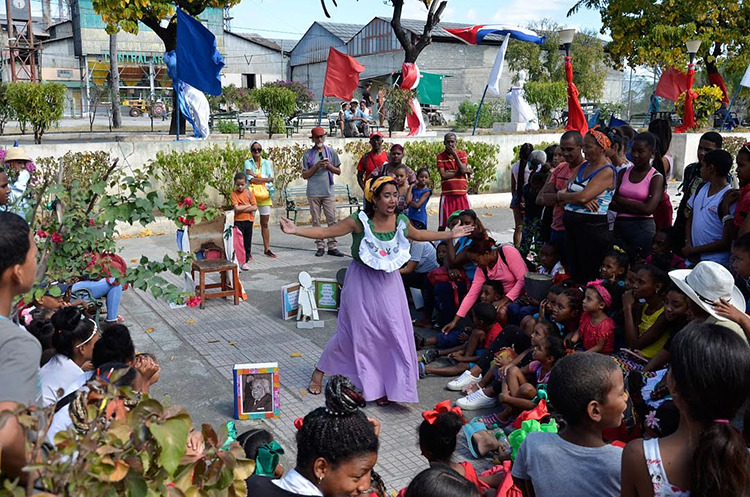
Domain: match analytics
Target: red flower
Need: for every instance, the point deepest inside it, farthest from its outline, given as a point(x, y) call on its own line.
point(189, 221)
point(179, 204)
point(182, 219)
point(42, 234)
point(56, 237)
point(202, 206)
point(193, 301)
point(91, 222)
point(188, 201)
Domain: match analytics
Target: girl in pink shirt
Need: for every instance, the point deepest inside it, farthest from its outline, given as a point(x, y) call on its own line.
point(508, 268)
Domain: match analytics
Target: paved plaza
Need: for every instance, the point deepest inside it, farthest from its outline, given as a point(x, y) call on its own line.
point(198, 348)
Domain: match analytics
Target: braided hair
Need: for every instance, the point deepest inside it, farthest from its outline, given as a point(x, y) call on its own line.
point(337, 432)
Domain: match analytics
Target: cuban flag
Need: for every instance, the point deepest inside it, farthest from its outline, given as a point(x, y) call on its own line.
point(475, 34)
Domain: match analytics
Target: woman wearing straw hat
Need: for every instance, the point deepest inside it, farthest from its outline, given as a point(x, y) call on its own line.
point(15, 165)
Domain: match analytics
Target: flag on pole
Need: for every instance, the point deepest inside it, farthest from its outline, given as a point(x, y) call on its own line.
point(576, 117)
point(714, 78)
point(410, 77)
point(475, 34)
point(493, 82)
point(199, 63)
point(342, 75)
point(672, 83)
point(746, 78)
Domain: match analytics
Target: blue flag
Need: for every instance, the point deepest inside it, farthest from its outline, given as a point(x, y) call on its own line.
point(198, 61)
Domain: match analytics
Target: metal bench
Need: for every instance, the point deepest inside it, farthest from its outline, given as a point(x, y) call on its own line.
point(214, 119)
point(247, 125)
point(295, 198)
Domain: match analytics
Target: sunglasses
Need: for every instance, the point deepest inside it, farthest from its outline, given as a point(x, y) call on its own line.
point(256, 149)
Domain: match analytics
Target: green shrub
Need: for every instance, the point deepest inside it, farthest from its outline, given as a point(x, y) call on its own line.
point(492, 112)
point(38, 104)
point(481, 157)
point(278, 104)
point(304, 97)
point(228, 127)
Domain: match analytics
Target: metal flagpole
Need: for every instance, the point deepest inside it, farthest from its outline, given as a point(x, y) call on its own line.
point(320, 114)
point(476, 119)
point(729, 109)
point(176, 87)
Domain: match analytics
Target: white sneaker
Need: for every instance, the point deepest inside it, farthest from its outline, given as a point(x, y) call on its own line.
point(459, 383)
point(245, 267)
point(476, 400)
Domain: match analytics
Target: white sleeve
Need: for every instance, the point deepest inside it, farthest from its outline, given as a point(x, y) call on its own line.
point(416, 251)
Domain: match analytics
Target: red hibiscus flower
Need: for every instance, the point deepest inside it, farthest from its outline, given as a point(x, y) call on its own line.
point(202, 206)
point(56, 237)
point(188, 201)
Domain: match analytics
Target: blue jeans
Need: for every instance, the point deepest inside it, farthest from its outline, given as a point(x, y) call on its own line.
point(103, 288)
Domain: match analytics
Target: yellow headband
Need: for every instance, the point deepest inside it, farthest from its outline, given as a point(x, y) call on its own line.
point(373, 184)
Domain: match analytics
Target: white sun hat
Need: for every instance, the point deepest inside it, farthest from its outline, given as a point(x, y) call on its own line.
point(706, 283)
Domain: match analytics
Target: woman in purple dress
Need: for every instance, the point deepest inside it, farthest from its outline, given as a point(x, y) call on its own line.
point(374, 344)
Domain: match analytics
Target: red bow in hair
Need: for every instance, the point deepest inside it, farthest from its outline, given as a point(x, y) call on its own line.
point(444, 406)
point(298, 423)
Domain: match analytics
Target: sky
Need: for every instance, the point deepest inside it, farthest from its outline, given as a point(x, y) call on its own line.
point(291, 18)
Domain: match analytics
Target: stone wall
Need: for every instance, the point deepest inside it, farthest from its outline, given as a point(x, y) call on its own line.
point(135, 154)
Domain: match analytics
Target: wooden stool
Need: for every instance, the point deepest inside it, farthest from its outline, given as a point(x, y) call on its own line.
point(224, 267)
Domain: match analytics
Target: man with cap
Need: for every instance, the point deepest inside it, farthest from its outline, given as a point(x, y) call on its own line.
point(354, 121)
point(319, 164)
point(363, 119)
point(453, 166)
point(372, 160)
point(15, 165)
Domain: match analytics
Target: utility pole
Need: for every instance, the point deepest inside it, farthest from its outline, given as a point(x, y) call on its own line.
point(114, 81)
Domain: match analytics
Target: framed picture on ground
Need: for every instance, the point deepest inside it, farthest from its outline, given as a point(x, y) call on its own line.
point(326, 294)
point(257, 391)
point(289, 301)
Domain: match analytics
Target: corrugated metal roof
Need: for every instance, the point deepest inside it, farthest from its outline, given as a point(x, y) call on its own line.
point(257, 39)
point(343, 31)
point(417, 27)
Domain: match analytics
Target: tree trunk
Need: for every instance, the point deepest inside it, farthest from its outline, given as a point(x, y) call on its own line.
point(411, 49)
point(114, 80)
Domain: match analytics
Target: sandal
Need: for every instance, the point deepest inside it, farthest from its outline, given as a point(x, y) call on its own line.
point(383, 401)
point(315, 387)
point(419, 340)
point(270, 254)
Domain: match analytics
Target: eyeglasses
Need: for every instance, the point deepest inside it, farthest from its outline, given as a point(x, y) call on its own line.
point(256, 149)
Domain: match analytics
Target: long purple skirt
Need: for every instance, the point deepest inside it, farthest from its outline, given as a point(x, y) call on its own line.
point(374, 343)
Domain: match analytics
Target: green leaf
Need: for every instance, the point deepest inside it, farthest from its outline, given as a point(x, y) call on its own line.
point(171, 435)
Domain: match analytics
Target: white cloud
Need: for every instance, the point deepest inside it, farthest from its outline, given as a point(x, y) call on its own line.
point(471, 15)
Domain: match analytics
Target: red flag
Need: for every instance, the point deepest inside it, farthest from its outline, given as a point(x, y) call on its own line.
point(671, 84)
point(342, 75)
point(688, 119)
point(715, 79)
point(576, 117)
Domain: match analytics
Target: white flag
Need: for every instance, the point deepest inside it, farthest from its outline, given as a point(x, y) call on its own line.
point(746, 78)
point(493, 82)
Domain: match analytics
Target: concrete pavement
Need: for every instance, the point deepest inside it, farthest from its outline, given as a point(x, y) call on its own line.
point(198, 348)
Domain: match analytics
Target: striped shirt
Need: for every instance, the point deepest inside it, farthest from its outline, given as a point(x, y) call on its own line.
point(446, 162)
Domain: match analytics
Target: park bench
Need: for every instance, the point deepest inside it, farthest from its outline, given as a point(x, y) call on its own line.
point(214, 119)
point(247, 125)
point(295, 198)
